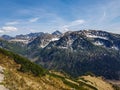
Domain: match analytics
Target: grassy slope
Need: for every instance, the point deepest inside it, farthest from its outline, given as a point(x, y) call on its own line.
point(97, 82)
point(27, 79)
point(21, 74)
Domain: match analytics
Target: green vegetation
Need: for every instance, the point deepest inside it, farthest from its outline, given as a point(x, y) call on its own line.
point(26, 65)
point(75, 63)
point(16, 47)
point(79, 86)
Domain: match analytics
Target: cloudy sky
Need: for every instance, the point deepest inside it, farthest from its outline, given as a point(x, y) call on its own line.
point(25, 16)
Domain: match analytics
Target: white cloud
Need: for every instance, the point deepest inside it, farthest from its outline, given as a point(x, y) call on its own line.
point(103, 17)
point(72, 24)
point(5, 29)
point(65, 29)
point(32, 30)
point(1, 31)
point(12, 23)
point(75, 23)
point(34, 20)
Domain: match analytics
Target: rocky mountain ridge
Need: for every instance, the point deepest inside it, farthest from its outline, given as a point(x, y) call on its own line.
point(81, 52)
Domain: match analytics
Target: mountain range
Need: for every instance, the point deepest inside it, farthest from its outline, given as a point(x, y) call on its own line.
point(74, 52)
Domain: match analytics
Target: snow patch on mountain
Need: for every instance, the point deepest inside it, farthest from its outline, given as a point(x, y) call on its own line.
point(54, 39)
point(46, 42)
point(70, 42)
point(114, 47)
point(98, 43)
point(94, 36)
point(43, 46)
point(63, 47)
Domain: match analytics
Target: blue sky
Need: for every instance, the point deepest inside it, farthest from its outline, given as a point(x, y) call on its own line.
point(25, 16)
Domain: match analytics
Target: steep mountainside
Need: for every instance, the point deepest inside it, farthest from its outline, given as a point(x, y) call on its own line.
point(43, 40)
point(80, 52)
point(16, 47)
point(57, 33)
point(21, 74)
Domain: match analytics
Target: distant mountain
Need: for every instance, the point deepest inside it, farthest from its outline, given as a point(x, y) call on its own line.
point(74, 52)
point(57, 33)
point(6, 37)
point(16, 47)
point(26, 38)
point(29, 36)
point(80, 39)
point(43, 40)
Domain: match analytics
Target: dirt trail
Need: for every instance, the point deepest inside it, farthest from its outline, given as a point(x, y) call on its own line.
point(2, 87)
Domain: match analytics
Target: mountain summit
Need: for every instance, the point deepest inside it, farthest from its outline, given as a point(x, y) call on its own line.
point(57, 33)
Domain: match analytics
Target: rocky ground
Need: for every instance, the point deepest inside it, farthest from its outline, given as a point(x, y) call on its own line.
point(2, 87)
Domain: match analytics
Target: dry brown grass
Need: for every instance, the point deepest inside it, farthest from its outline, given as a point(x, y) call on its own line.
point(98, 82)
point(16, 80)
